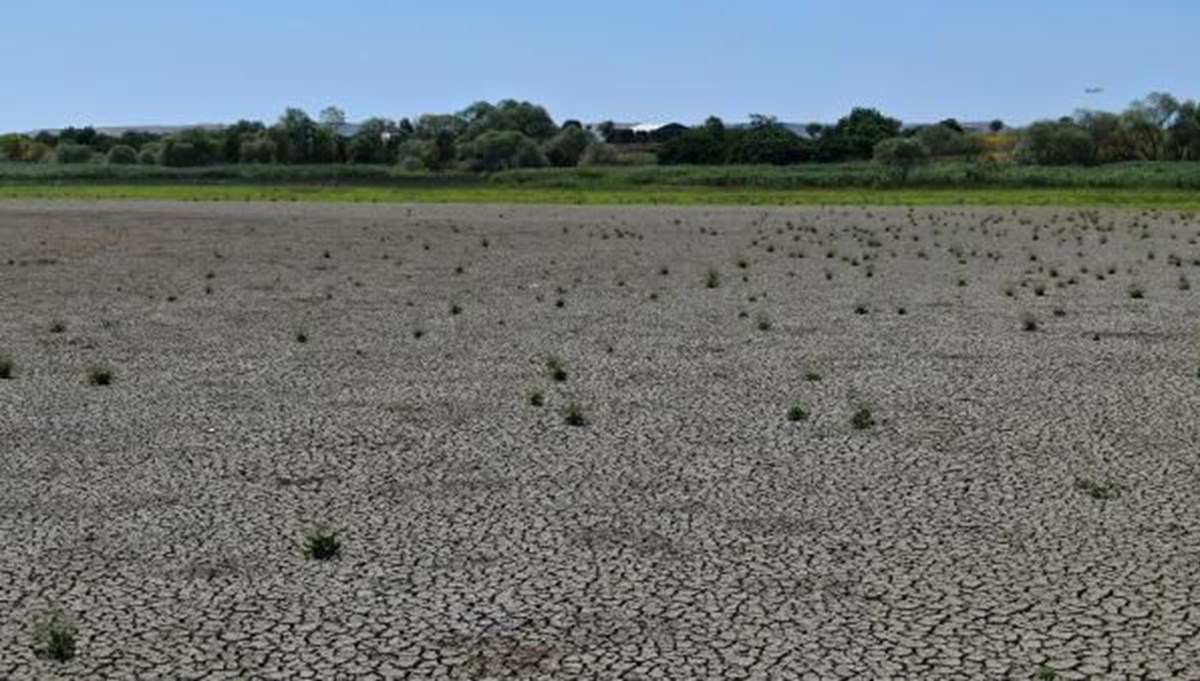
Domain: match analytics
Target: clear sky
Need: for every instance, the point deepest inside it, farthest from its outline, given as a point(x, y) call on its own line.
point(78, 62)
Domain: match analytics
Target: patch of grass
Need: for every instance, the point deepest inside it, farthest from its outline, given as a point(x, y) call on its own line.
point(557, 368)
point(862, 419)
point(1029, 322)
point(100, 374)
point(1046, 673)
point(1096, 489)
point(321, 543)
point(573, 415)
point(713, 278)
point(6, 367)
point(57, 326)
point(537, 398)
point(797, 413)
point(53, 635)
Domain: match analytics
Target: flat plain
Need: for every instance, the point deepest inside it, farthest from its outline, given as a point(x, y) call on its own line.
point(599, 442)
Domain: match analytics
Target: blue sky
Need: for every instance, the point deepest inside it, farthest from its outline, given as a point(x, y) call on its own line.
point(183, 61)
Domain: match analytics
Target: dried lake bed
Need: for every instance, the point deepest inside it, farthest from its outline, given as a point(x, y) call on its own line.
point(835, 442)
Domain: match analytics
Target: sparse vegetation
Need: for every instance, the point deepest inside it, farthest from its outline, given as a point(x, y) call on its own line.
point(713, 279)
point(573, 415)
point(54, 635)
point(100, 374)
point(797, 413)
point(1029, 322)
point(537, 398)
point(6, 367)
point(557, 368)
point(322, 543)
point(862, 419)
point(1096, 489)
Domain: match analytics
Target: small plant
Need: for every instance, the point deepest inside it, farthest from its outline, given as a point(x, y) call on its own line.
point(573, 415)
point(301, 337)
point(861, 420)
point(1136, 292)
point(1096, 490)
point(321, 543)
point(713, 279)
point(6, 367)
point(1184, 284)
point(57, 327)
point(797, 413)
point(764, 322)
point(418, 333)
point(53, 635)
point(1029, 322)
point(860, 309)
point(1059, 312)
point(558, 370)
point(537, 398)
point(456, 309)
point(1046, 672)
point(812, 376)
point(100, 374)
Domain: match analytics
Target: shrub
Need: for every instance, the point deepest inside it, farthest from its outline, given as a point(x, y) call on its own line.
point(72, 153)
point(566, 149)
point(573, 415)
point(901, 155)
point(100, 374)
point(122, 155)
point(598, 154)
point(558, 370)
point(321, 543)
point(713, 279)
point(861, 420)
point(53, 635)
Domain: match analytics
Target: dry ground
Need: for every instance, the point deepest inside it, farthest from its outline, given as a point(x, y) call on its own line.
point(1026, 503)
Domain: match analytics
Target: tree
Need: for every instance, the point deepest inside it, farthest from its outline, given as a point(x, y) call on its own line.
point(566, 148)
point(996, 125)
point(294, 135)
point(501, 150)
point(854, 136)
point(1110, 136)
point(375, 141)
point(332, 117)
point(70, 152)
point(235, 136)
point(258, 148)
point(526, 118)
point(704, 145)
point(1148, 120)
point(1061, 142)
point(901, 154)
point(765, 141)
point(1185, 132)
point(121, 154)
point(599, 154)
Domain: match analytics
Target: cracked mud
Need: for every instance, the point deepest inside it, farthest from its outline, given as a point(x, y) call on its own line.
point(1019, 503)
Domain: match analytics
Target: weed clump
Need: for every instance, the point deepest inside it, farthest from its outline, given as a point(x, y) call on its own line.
point(53, 635)
point(6, 367)
point(1029, 322)
point(557, 369)
point(797, 413)
point(862, 419)
point(321, 543)
point(713, 279)
point(573, 415)
point(100, 374)
point(537, 398)
point(1096, 490)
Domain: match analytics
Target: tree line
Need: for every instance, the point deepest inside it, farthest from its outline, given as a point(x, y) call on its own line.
point(518, 134)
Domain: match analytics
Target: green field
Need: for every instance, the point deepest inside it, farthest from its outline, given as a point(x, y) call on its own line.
point(1161, 185)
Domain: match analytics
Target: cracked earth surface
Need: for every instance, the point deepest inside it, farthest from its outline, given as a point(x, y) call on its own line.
point(1026, 504)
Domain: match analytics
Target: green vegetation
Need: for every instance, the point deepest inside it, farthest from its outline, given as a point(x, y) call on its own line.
point(321, 543)
point(797, 413)
point(53, 635)
point(537, 398)
point(100, 374)
point(557, 368)
point(862, 419)
point(1096, 490)
point(573, 415)
point(6, 367)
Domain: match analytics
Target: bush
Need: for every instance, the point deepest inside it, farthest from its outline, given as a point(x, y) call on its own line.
point(321, 543)
point(901, 154)
point(72, 153)
point(53, 635)
point(501, 150)
point(122, 155)
point(598, 154)
point(257, 149)
point(566, 149)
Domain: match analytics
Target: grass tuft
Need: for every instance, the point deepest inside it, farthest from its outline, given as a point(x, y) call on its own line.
point(100, 374)
point(321, 543)
point(53, 635)
point(862, 419)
